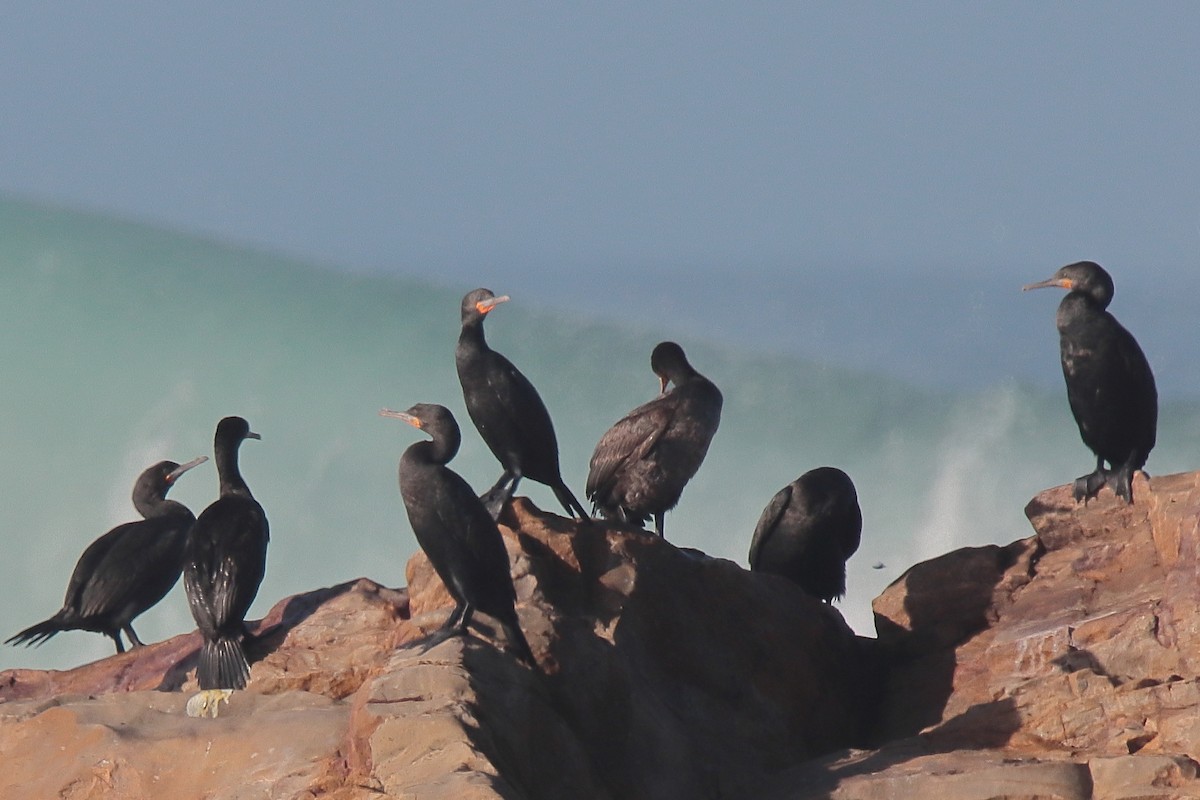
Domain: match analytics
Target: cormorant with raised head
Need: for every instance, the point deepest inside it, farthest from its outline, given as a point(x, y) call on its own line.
point(225, 562)
point(808, 531)
point(642, 463)
point(128, 569)
point(508, 412)
point(454, 529)
point(1109, 383)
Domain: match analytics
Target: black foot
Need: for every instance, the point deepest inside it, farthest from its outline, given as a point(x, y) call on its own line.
point(494, 502)
point(1121, 482)
point(1089, 486)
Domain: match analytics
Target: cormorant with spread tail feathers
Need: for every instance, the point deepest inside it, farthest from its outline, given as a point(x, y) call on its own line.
point(1109, 383)
point(642, 463)
point(225, 562)
point(808, 531)
point(454, 529)
point(128, 569)
point(508, 412)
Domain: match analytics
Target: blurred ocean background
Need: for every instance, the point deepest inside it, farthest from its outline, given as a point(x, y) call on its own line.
point(123, 343)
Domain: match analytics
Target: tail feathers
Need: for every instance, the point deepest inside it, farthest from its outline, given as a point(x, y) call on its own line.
point(223, 665)
point(36, 634)
point(568, 501)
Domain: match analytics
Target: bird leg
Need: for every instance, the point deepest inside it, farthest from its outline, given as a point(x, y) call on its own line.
point(495, 497)
point(1088, 486)
point(116, 637)
point(658, 524)
point(133, 637)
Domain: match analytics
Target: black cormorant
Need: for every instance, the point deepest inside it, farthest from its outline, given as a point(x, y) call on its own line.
point(508, 412)
point(128, 569)
point(1109, 383)
point(225, 562)
point(642, 463)
point(454, 529)
point(808, 531)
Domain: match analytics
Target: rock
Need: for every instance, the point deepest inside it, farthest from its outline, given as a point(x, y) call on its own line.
point(1059, 666)
point(662, 673)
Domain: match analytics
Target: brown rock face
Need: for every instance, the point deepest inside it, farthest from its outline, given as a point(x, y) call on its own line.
point(663, 674)
point(1059, 666)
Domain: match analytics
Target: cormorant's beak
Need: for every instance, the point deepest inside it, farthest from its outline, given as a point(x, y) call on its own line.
point(484, 306)
point(401, 415)
point(662, 385)
point(174, 474)
point(253, 435)
point(1062, 283)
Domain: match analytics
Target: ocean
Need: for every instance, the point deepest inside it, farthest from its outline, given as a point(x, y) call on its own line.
point(123, 344)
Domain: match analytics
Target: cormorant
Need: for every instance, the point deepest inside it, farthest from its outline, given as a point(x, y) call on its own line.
point(224, 564)
point(808, 531)
point(128, 569)
point(508, 412)
point(454, 529)
point(1109, 383)
point(642, 463)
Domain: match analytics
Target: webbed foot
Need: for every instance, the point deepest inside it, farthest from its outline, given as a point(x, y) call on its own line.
point(1088, 486)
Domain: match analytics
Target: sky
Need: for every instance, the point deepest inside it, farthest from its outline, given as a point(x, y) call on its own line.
point(443, 139)
point(781, 176)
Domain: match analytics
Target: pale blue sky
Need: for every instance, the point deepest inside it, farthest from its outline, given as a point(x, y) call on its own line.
point(581, 152)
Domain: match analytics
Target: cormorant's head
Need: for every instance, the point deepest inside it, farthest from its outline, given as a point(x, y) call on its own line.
point(157, 480)
point(429, 417)
point(435, 420)
point(1084, 277)
point(476, 304)
point(233, 431)
point(669, 364)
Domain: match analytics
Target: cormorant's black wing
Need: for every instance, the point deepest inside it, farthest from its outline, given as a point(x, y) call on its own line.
point(768, 521)
point(631, 439)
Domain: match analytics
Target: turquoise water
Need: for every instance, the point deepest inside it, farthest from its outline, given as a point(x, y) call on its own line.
point(122, 345)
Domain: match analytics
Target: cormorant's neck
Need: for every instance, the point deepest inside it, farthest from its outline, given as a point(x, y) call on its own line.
point(472, 334)
point(160, 507)
point(1076, 308)
point(231, 476)
point(440, 450)
point(153, 504)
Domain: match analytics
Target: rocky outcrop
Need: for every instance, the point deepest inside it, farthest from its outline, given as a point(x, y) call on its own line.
point(1059, 666)
point(663, 673)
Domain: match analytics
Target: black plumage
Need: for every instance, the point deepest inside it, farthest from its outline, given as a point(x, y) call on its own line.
point(1110, 386)
point(225, 562)
point(454, 529)
point(508, 412)
point(642, 463)
point(128, 569)
point(808, 531)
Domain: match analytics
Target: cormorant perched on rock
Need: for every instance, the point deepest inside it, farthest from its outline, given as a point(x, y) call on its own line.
point(808, 531)
point(1109, 383)
point(225, 562)
point(457, 533)
point(128, 569)
point(642, 463)
point(508, 412)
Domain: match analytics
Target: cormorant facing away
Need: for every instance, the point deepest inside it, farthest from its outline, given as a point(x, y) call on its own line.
point(128, 569)
point(1109, 383)
point(454, 529)
point(508, 412)
point(642, 463)
point(225, 562)
point(808, 531)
